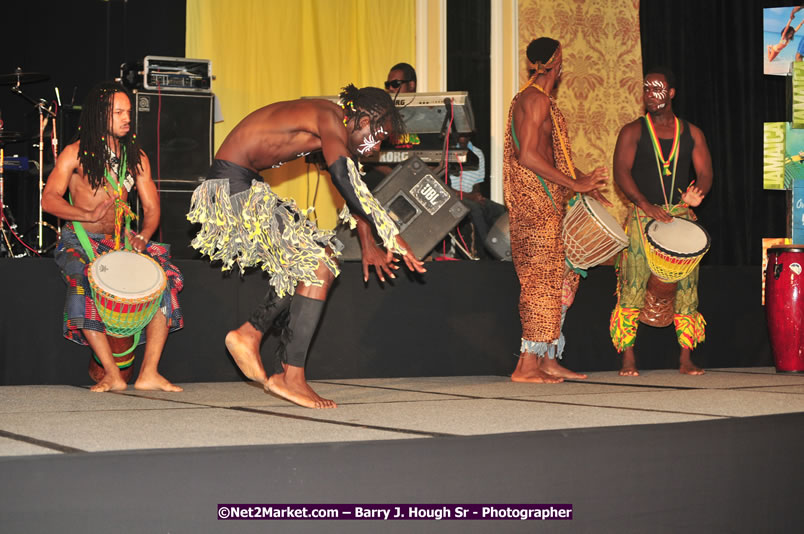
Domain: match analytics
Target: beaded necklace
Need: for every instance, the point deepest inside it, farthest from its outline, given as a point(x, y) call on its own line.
point(662, 164)
point(121, 208)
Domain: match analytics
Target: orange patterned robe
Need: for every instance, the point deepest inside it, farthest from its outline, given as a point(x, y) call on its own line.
point(537, 248)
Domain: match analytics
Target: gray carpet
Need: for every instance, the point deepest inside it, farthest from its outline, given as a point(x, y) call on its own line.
point(66, 419)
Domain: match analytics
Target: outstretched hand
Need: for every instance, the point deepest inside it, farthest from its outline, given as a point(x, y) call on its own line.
point(692, 196)
point(411, 262)
point(383, 264)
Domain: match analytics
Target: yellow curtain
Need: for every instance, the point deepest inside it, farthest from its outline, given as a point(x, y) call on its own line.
point(265, 51)
point(601, 88)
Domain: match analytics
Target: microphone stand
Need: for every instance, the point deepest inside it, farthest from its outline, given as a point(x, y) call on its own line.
point(42, 110)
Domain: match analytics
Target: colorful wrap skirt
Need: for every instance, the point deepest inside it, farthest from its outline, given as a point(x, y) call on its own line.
point(79, 307)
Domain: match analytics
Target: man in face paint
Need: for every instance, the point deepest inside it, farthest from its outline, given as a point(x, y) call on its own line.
point(244, 222)
point(652, 161)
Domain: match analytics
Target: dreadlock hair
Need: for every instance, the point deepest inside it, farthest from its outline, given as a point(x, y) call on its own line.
point(374, 103)
point(93, 127)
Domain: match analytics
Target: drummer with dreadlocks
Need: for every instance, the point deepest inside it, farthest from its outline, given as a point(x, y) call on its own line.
point(99, 169)
point(538, 177)
point(652, 162)
point(244, 222)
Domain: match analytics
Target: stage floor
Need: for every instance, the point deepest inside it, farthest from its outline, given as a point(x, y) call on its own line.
point(659, 453)
point(47, 420)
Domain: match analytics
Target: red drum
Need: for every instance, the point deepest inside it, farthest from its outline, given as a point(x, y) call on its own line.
point(784, 306)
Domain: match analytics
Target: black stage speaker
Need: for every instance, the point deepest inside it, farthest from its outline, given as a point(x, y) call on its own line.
point(498, 240)
point(174, 228)
point(180, 126)
point(424, 209)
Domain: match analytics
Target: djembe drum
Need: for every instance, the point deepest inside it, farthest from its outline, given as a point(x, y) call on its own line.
point(784, 306)
point(673, 250)
point(591, 234)
point(127, 289)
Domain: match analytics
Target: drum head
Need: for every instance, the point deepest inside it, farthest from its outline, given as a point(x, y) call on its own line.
point(127, 274)
point(681, 238)
point(606, 219)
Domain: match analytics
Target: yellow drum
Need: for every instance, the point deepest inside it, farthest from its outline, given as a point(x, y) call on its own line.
point(674, 249)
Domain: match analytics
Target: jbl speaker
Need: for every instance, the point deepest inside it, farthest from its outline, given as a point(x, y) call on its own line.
point(498, 240)
point(423, 208)
point(175, 131)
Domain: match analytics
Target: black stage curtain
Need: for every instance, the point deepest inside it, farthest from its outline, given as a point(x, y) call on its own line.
point(713, 48)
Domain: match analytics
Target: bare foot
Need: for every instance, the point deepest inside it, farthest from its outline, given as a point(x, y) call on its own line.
point(528, 369)
point(296, 393)
point(686, 367)
point(553, 368)
point(155, 382)
point(109, 382)
point(690, 368)
point(244, 346)
point(629, 363)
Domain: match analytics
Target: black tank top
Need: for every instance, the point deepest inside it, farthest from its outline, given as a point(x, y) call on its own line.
point(645, 173)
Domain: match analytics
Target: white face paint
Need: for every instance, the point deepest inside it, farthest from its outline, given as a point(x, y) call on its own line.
point(656, 90)
point(369, 142)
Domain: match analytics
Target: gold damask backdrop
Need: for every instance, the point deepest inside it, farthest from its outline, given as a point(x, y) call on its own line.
point(601, 87)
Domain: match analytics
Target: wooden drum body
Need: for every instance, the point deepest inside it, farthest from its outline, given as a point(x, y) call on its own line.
point(784, 306)
point(591, 234)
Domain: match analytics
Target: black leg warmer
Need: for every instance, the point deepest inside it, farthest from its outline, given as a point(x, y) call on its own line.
point(303, 320)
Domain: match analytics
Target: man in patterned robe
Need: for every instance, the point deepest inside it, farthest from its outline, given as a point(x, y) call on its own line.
point(538, 175)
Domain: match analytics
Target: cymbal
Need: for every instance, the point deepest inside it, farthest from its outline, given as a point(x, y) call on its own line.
point(22, 77)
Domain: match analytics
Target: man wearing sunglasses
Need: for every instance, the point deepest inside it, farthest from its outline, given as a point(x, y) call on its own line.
point(401, 79)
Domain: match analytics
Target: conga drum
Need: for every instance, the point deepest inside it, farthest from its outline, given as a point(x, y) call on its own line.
point(127, 289)
point(591, 234)
point(784, 306)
